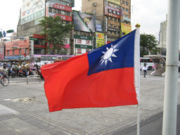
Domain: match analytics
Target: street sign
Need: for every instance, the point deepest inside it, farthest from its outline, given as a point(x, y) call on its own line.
point(33, 38)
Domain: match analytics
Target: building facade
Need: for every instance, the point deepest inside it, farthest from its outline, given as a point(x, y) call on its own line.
point(83, 32)
point(114, 14)
point(126, 16)
point(162, 37)
point(33, 11)
point(2, 50)
point(17, 49)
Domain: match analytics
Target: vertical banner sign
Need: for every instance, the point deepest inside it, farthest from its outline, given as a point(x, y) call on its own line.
point(99, 39)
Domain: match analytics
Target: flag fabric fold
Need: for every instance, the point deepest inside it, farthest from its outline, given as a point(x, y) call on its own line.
point(104, 77)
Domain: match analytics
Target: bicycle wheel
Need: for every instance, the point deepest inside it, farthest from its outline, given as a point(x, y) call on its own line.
point(4, 81)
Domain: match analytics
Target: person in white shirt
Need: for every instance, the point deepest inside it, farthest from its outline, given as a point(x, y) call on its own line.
point(144, 70)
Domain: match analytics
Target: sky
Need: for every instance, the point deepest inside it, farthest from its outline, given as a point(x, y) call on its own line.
point(148, 13)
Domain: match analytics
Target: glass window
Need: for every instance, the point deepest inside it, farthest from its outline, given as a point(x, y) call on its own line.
point(53, 10)
point(13, 52)
point(8, 52)
point(109, 10)
point(57, 11)
point(78, 41)
point(63, 13)
point(25, 51)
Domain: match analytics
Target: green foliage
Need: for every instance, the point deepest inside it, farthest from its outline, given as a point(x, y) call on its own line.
point(148, 44)
point(55, 32)
point(10, 31)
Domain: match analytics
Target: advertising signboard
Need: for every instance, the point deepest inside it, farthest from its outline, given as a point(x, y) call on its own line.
point(60, 6)
point(112, 10)
point(99, 39)
point(126, 28)
point(83, 37)
point(64, 17)
point(17, 44)
point(114, 1)
point(83, 22)
point(32, 10)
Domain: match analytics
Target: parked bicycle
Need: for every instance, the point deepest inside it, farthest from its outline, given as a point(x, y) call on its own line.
point(4, 80)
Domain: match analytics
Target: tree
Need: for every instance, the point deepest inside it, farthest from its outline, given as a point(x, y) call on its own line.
point(148, 44)
point(55, 32)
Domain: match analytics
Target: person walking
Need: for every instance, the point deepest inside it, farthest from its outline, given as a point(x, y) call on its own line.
point(145, 70)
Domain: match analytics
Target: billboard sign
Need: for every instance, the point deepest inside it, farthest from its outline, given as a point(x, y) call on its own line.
point(99, 39)
point(32, 10)
point(126, 28)
point(83, 37)
point(59, 6)
point(83, 22)
point(63, 17)
point(112, 10)
point(17, 44)
point(115, 1)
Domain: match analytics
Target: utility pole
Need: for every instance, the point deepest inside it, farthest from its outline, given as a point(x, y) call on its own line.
point(120, 14)
point(171, 76)
point(94, 14)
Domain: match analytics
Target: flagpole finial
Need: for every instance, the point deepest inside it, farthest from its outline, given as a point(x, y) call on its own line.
point(137, 25)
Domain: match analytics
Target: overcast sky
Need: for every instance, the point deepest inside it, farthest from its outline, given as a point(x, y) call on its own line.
point(148, 13)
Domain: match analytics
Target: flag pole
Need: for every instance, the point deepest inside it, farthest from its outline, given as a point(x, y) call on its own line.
point(171, 76)
point(137, 74)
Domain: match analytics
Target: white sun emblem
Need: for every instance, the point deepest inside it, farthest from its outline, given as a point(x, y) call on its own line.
point(110, 52)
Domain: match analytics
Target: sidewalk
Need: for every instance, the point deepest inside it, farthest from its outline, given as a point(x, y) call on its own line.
point(26, 112)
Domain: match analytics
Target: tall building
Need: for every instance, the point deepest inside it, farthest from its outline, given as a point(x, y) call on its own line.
point(114, 14)
point(126, 16)
point(32, 11)
point(83, 25)
point(162, 37)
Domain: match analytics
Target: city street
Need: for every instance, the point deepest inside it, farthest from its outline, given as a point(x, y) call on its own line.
point(24, 111)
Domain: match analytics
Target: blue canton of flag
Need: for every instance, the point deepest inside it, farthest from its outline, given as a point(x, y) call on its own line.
point(118, 54)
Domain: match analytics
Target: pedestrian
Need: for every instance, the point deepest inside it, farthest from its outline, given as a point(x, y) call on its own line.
point(145, 69)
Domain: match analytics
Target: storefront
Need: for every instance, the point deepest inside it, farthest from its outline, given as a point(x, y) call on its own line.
point(17, 49)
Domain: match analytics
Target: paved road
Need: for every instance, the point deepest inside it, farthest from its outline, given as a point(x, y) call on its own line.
point(24, 111)
point(151, 126)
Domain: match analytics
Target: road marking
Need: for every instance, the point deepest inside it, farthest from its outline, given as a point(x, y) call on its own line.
point(5, 110)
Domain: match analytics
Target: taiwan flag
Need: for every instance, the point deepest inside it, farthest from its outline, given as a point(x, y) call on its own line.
point(105, 77)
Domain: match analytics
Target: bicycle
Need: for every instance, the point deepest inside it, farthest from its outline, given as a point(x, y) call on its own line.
point(4, 81)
